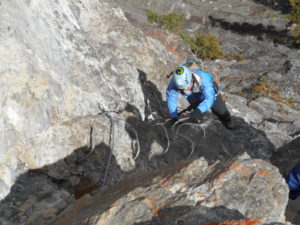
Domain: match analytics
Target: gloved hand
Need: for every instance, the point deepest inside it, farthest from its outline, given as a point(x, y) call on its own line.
point(192, 106)
point(171, 122)
point(195, 116)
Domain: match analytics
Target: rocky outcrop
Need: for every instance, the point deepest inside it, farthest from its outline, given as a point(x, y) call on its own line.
point(82, 97)
point(261, 19)
point(89, 170)
point(257, 31)
point(62, 64)
point(188, 193)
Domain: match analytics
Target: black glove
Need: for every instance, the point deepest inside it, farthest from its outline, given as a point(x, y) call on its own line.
point(171, 122)
point(195, 115)
point(192, 106)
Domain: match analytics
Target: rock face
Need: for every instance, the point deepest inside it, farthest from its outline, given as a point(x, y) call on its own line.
point(82, 101)
point(188, 193)
point(62, 64)
point(254, 30)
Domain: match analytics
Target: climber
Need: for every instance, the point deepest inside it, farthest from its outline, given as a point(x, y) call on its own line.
point(293, 181)
point(202, 93)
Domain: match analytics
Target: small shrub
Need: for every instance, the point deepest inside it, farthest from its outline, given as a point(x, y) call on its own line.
point(205, 46)
point(294, 16)
point(236, 57)
point(169, 22)
point(269, 88)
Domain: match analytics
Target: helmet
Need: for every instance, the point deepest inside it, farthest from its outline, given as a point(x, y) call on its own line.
point(182, 77)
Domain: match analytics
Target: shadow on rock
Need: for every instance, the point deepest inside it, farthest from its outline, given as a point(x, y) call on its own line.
point(259, 31)
point(210, 140)
point(155, 107)
point(287, 156)
point(281, 5)
point(188, 215)
point(43, 193)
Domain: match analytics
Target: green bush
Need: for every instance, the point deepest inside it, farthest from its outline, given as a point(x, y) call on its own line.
point(295, 17)
point(169, 22)
point(204, 46)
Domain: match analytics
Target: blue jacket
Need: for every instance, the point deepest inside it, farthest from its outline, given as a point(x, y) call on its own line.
point(293, 181)
point(206, 94)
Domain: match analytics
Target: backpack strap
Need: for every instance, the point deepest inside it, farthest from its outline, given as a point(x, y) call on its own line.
point(197, 78)
point(216, 87)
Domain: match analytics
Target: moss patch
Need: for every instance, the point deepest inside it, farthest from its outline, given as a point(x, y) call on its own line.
point(294, 16)
point(236, 57)
point(270, 88)
point(170, 22)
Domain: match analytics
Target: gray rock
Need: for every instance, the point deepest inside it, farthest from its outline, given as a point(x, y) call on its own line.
point(275, 110)
point(238, 107)
point(240, 190)
point(287, 156)
point(75, 75)
point(69, 63)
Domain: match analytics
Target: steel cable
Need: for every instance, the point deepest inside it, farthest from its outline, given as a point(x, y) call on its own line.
point(168, 140)
point(181, 135)
point(137, 140)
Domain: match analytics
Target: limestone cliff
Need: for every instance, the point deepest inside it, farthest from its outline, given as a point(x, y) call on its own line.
point(63, 64)
point(83, 96)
